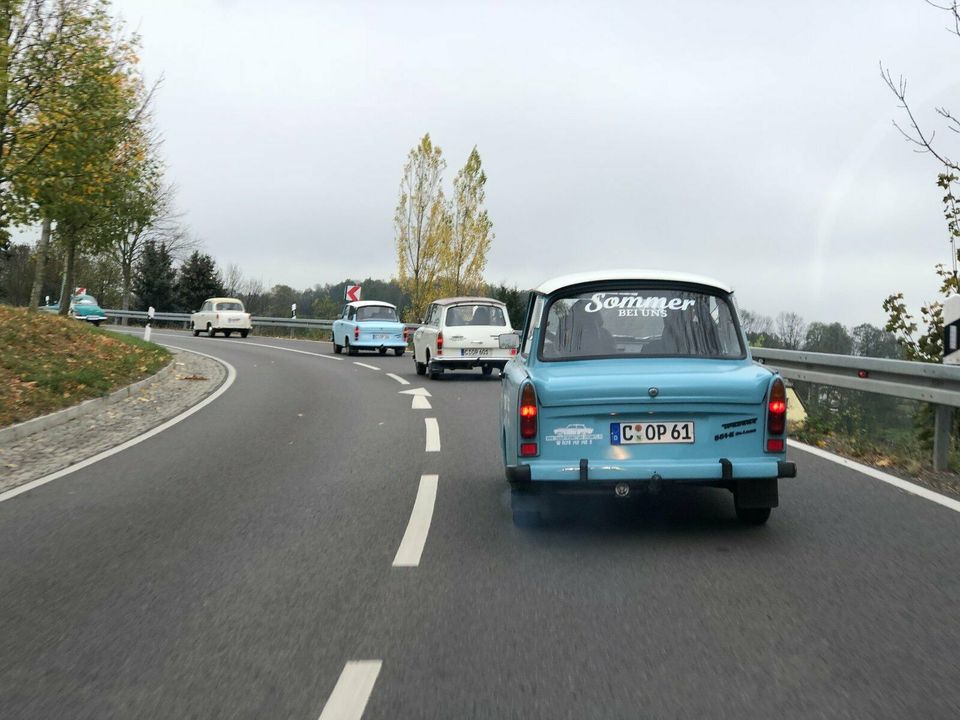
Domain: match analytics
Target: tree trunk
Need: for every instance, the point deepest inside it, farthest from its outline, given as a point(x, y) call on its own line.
point(125, 303)
point(42, 250)
point(70, 248)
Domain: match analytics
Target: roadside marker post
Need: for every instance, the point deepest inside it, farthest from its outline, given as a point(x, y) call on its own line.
point(146, 328)
point(943, 414)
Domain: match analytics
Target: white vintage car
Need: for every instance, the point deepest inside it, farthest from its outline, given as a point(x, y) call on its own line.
point(223, 315)
point(462, 333)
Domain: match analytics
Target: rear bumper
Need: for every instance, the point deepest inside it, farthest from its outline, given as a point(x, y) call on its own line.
point(560, 474)
point(468, 363)
point(377, 344)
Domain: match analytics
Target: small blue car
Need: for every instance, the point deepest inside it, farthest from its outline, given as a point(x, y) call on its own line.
point(369, 325)
point(631, 379)
point(82, 307)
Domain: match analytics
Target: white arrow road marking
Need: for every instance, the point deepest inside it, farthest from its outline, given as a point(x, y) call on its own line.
point(402, 381)
point(433, 435)
point(352, 691)
point(416, 391)
point(420, 403)
point(411, 547)
point(369, 367)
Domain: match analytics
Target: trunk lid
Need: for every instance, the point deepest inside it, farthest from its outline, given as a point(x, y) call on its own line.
point(629, 381)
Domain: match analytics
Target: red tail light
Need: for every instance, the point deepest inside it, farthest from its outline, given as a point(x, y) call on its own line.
point(528, 420)
point(440, 343)
point(356, 332)
point(777, 409)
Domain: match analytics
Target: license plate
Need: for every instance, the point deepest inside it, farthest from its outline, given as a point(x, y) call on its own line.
point(380, 336)
point(233, 319)
point(474, 352)
point(651, 433)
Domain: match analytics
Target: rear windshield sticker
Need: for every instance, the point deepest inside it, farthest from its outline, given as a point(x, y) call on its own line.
point(574, 434)
point(633, 305)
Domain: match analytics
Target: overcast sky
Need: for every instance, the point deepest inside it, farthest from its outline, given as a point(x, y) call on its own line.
point(749, 141)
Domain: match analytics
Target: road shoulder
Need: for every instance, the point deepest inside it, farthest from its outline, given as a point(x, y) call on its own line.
point(189, 380)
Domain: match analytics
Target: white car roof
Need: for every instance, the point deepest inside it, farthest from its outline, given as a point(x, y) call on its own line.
point(368, 303)
point(468, 299)
point(563, 281)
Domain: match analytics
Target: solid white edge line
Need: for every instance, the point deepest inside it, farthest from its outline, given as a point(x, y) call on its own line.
point(402, 381)
point(433, 435)
point(369, 367)
point(243, 342)
point(293, 350)
point(415, 537)
point(352, 691)
point(904, 485)
point(231, 376)
point(420, 403)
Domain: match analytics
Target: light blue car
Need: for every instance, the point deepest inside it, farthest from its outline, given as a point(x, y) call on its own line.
point(629, 380)
point(369, 325)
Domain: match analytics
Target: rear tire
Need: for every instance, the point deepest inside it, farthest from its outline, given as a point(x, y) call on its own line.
point(752, 516)
point(346, 346)
point(399, 351)
point(421, 367)
point(243, 333)
point(525, 507)
point(210, 331)
point(486, 370)
point(434, 371)
point(196, 333)
point(382, 351)
point(227, 333)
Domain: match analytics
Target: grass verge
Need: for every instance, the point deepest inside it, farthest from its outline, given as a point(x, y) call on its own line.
point(48, 363)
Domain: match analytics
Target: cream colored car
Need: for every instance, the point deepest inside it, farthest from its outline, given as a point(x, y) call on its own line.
point(223, 315)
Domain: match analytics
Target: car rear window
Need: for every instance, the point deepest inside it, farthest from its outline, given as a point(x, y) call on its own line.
point(486, 315)
point(226, 306)
point(376, 312)
point(652, 321)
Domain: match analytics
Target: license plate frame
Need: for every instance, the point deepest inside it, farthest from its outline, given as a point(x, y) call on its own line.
point(474, 352)
point(662, 432)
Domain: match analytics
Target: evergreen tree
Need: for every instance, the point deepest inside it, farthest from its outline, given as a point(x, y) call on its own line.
point(199, 280)
point(155, 280)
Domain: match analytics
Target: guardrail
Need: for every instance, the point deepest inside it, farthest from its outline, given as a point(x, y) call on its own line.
point(305, 323)
point(261, 321)
point(936, 384)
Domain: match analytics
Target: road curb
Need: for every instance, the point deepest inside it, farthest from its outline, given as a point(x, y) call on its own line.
point(19, 431)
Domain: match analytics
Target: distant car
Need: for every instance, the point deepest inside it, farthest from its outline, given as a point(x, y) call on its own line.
point(82, 307)
point(223, 315)
point(631, 379)
point(369, 325)
point(462, 333)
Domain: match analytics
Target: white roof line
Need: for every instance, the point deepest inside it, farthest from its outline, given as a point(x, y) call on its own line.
point(555, 284)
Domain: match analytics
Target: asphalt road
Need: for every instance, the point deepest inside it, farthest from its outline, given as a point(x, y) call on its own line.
point(241, 564)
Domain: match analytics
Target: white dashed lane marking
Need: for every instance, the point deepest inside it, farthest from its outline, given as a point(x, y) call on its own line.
point(399, 379)
point(411, 547)
point(369, 367)
point(433, 435)
point(352, 691)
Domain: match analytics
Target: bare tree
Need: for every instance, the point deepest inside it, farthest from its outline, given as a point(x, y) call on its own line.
point(755, 324)
point(913, 133)
point(233, 279)
point(791, 329)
